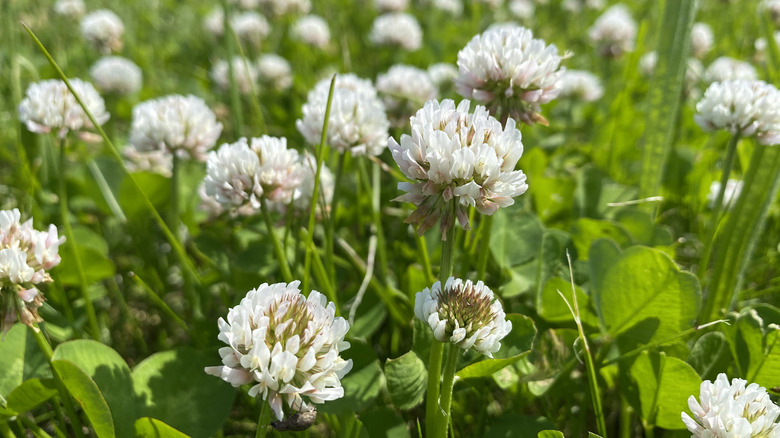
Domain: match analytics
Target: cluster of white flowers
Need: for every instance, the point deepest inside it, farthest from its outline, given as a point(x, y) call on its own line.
point(582, 85)
point(288, 345)
point(509, 70)
point(773, 7)
point(357, 123)
point(312, 30)
point(72, 9)
point(728, 69)
point(103, 29)
point(578, 5)
point(614, 31)
point(26, 255)
point(181, 125)
point(302, 201)
point(730, 193)
point(275, 71)
point(158, 161)
point(243, 172)
point(282, 7)
point(463, 313)
point(49, 106)
point(741, 107)
point(454, 155)
point(702, 40)
point(214, 22)
point(761, 45)
point(250, 27)
point(404, 89)
point(452, 7)
point(442, 73)
point(391, 5)
point(114, 74)
point(398, 29)
point(522, 9)
point(733, 409)
point(244, 72)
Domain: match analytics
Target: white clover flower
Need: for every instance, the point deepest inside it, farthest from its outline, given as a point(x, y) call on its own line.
point(49, 106)
point(455, 155)
point(452, 7)
point(614, 31)
point(114, 74)
point(312, 30)
point(648, 62)
point(241, 173)
point(463, 313)
point(103, 29)
point(275, 71)
point(326, 189)
point(761, 45)
point(283, 7)
point(442, 73)
point(398, 29)
point(26, 255)
point(579, 5)
point(358, 122)
point(72, 9)
point(522, 9)
point(732, 410)
point(214, 22)
point(506, 68)
point(251, 27)
point(731, 193)
point(773, 7)
point(582, 85)
point(182, 125)
point(702, 40)
point(741, 107)
point(727, 69)
point(158, 161)
point(404, 89)
point(287, 345)
point(391, 5)
point(244, 72)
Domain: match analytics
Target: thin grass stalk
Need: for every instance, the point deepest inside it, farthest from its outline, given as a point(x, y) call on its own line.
point(115, 153)
point(94, 329)
point(593, 383)
point(46, 349)
point(330, 227)
point(278, 250)
point(34, 428)
point(105, 190)
point(422, 249)
point(159, 302)
point(316, 189)
point(448, 382)
point(484, 247)
point(235, 97)
point(253, 99)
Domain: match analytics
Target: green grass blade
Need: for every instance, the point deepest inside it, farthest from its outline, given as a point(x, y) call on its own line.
point(665, 90)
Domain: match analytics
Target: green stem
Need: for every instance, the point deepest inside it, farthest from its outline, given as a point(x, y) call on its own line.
point(330, 228)
point(173, 219)
point(316, 190)
point(105, 190)
point(731, 152)
point(447, 256)
point(422, 249)
point(264, 420)
point(280, 255)
point(432, 399)
point(450, 367)
point(484, 247)
point(91, 316)
point(43, 344)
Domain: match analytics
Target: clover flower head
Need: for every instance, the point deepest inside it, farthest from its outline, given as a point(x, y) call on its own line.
point(26, 256)
point(456, 155)
point(733, 409)
point(506, 67)
point(399, 29)
point(327, 183)
point(275, 71)
point(214, 22)
point(463, 313)
point(159, 161)
point(243, 172)
point(287, 345)
point(284, 7)
point(773, 7)
point(391, 5)
point(648, 62)
point(312, 30)
point(48, 106)
point(728, 69)
point(251, 27)
point(72, 9)
point(404, 89)
point(183, 125)
point(614, 31)
point(442, 73)
point(115, 74)
point(741, 107)
point(244, 71)
point(730, 194)
point(582, 85)
point(357, 123)
point(702, 40)
point(522, 9)
point(452, 7)
point(578, 5)
point(103, 29)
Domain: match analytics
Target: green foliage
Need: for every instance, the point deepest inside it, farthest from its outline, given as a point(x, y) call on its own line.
point(88, 396)
point(154, 428)
point(664, 383)
point(406, 380)
point(514, 347)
